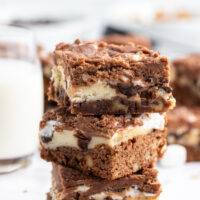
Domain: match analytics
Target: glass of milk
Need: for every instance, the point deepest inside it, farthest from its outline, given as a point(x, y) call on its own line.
point(21, 97)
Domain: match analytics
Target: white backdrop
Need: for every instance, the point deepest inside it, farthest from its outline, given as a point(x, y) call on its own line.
point(86, 19)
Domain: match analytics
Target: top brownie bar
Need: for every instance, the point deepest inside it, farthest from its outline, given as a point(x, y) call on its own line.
point(99, 78)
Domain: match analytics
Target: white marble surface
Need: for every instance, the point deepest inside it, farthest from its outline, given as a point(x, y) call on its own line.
point(33, 182)
point(181, 183)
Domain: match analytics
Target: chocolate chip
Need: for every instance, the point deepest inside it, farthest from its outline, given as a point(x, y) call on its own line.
point(47, 134)
point(144, 102)
point(128, 90)
point(163, 80)
point(167, 89)
point(148, 80)
point(77, 196)
point(83, 141)
point(108, 198)
point(146, 94)
point(155, 102)
point(46, 139)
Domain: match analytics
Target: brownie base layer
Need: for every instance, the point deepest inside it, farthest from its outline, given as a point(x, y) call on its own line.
point(111, 162)
point(70, 184)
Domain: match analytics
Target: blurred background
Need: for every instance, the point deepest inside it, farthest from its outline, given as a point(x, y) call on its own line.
point(172, 27)
point(166, 24)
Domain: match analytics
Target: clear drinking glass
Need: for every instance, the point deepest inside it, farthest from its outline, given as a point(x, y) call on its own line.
point(21, 97)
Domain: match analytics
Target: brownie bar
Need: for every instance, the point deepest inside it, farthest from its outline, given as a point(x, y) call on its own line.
point(184, 129)
point(47, 62)
point(186, 80)
point(70, 184)
point(123, 39)
point(99, 78)
point(107, 146)
point(193, 153)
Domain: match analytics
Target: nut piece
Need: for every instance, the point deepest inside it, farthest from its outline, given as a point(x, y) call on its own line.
point(136, 167)
point(89, 161)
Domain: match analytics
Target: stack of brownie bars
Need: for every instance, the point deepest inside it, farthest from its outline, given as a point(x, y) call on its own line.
point(109, 128)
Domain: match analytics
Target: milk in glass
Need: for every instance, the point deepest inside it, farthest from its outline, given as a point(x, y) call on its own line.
point(21, 107)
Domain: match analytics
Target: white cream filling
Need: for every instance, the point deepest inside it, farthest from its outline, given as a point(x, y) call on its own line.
point(167, 97)
point(93, 92)
point(139, 83)
point(67, 137)
point(150, 122)
point(48, 130)
point(64, 138)
point(82, 188)
point(153, 121)
point(129, 192)
point(96, 91)
point(136, 57)
point(58, 77)
point(53, 195)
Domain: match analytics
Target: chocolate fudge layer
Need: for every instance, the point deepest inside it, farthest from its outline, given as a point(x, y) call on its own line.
point(184, 129)
point(99, 78)
point(186, 80)
point(70, 184)
point(107, 146)
point(123, 39)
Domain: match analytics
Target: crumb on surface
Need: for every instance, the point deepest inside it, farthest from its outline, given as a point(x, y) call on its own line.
point(195, 176)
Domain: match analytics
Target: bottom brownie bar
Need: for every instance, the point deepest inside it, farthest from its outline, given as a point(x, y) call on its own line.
point(107, 146)
point(184, 129)
point(70, 184)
